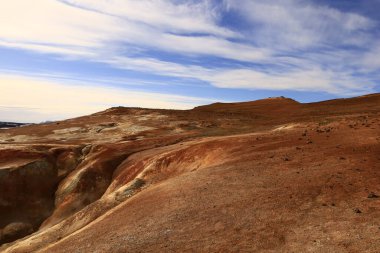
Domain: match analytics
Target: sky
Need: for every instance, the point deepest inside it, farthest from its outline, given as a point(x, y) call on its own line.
point(65, 58)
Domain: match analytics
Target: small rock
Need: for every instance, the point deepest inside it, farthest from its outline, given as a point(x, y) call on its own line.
point(86, 150)
point(357, 210)
point(372, 195)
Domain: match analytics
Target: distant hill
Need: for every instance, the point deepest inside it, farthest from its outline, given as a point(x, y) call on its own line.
point(10, 124)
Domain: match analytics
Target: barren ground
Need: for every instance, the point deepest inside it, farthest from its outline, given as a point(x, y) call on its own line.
point(271, 175)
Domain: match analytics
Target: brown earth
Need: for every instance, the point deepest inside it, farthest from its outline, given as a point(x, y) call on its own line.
point(272, 175)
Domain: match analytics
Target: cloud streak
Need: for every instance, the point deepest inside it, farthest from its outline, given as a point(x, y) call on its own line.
point(301, 24)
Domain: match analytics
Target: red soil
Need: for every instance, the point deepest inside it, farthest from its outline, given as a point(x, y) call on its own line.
point(272, 175)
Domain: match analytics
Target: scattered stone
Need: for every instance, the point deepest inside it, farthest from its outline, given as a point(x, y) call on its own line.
point(372, 195)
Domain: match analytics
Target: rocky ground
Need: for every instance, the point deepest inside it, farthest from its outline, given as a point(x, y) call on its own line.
point(271, 175)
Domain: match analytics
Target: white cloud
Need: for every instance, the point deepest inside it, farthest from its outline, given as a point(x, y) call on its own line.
point(185, 17)
point(297, 23)
point(208, 45)
point(44, 99)
point(67, 51)
point(371, 59)
point(120, 32)
point(315, 80)
point(310, 78)
point(103, 27)
point(51, 22)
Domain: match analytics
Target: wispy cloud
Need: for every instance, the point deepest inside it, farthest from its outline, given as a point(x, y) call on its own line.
point(278, 44)
point(298, 24)
point(104, 27)
point(310, 78)
point(166, 16)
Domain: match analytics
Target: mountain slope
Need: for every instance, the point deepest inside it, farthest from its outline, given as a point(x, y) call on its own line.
point(272, 175)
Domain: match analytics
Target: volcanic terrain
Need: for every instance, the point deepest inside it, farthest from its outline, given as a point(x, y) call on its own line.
point(272, 175)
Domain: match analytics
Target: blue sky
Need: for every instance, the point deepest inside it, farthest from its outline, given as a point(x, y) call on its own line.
point(61, 59)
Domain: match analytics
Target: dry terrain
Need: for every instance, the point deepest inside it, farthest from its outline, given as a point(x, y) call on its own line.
point(272, 175)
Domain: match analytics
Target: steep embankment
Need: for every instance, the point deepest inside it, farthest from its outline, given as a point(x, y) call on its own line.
point(293, 177)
